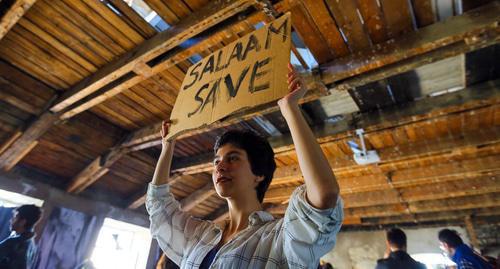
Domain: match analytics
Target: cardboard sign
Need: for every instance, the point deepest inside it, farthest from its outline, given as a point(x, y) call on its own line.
point(248, 72)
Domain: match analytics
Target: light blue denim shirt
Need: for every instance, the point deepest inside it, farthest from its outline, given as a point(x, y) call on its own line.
point(298, 240)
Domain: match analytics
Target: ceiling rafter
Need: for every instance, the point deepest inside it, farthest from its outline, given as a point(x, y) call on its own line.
point(14, 13)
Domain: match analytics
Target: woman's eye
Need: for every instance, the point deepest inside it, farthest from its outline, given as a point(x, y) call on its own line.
point(216, 162)
point(233, 158)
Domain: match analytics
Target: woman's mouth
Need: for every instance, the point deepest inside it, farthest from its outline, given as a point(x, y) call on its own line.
point(222, 179)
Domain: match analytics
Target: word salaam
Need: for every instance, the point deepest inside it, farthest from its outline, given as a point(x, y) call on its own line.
point(240, 68)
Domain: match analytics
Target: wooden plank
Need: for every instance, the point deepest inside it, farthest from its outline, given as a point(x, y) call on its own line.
point(425, 109)
point(98, 37)
point(70, 27)
point(304, 25)
point(113, 21)
point(439, 35)
point(197, 197)
point(374, 21)
point(414, 187)
point(141, 197)
point(197, 22)
point(70, 38)
point(94, 171)
point(327, 27)
point(424, 13)
point(133, 19)
point(8, 95)
point(397, 16)
point(54, 55)
point(348, 18)
point(163, 11)
point(433, 216)
point(14, 13)
point(53, 65)
point(27, 141)
point(26, 61)
point(469, 226)
point(54, 42)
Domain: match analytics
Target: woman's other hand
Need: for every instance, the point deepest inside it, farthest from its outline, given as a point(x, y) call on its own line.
point(296, 88)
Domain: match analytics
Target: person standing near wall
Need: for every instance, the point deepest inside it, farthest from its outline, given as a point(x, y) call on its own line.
point(397, 257)
point(18, 250)
point(460, 253)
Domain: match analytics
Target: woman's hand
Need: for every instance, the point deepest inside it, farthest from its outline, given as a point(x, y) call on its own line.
point(162, 170)
point(165, 128)
point(296, 88)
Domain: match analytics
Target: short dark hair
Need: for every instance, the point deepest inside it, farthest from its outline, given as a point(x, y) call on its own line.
point(30, 213)
point(260, 155)
point(396, 237)
point(450, 237)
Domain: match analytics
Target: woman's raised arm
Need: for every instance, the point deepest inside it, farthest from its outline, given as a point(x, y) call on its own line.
point(321, 184)
point(162, 170)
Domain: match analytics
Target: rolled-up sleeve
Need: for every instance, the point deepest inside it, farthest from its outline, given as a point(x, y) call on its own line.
point(169, 225)
point(310, 233)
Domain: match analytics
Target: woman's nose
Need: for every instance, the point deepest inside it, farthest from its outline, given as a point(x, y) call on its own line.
point(221, 166)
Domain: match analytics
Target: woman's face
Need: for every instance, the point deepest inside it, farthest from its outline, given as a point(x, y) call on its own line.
point(232, 173)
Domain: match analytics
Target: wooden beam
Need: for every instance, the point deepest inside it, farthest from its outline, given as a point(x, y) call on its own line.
point(432, 206)
point(28, 182)
point(458, 215)
point(429, 109)
point(140, 198)
point(219, 215)
point(441, 177)
point(469, 226)
point(95, 170)
point(197, 197)
point(25, 137)
point(450, 146)
point(27, 141)
point(471, 29)
point(14, 13)
point(197, 22)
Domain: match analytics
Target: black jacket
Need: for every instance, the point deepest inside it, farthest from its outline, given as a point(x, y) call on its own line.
point(399, 260)
point(17, 251)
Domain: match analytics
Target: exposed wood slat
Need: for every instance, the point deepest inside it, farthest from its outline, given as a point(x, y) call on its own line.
point(15, 12)
point(26, 141)
point(417, 111)
point(439, 35)
point(327, 27)
point(347, 16)
point(424, 14)
point(398, 16)
point(197, 197)
point(197, 22)
point(141, 196)
point(94, 171)
point(374, 20)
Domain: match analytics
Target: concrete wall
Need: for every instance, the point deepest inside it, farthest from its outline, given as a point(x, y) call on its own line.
point(361, 250)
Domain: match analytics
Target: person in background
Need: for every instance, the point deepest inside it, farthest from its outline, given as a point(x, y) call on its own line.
point(465, 258)
point(18, 250)
point(397, 258)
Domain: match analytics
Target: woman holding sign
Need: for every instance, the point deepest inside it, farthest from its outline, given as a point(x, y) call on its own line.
point(243, 169)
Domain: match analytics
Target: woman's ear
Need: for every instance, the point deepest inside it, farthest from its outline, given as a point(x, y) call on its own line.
point(259, 179)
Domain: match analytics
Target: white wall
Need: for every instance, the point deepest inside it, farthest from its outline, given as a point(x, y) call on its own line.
point(361, 250)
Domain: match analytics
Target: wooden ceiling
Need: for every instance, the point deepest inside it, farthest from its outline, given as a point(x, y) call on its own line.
point(84, 86)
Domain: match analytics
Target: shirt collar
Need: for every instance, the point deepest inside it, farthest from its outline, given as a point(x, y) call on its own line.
point(259, 218)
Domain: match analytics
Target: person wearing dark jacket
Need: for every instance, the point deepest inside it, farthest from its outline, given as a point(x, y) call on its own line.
point(397, 256)
point(18, 250)
point(460, 253)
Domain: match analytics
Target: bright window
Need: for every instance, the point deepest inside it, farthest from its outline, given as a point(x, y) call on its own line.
point(121, 245)
point(433, 260)
point(12, 199)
